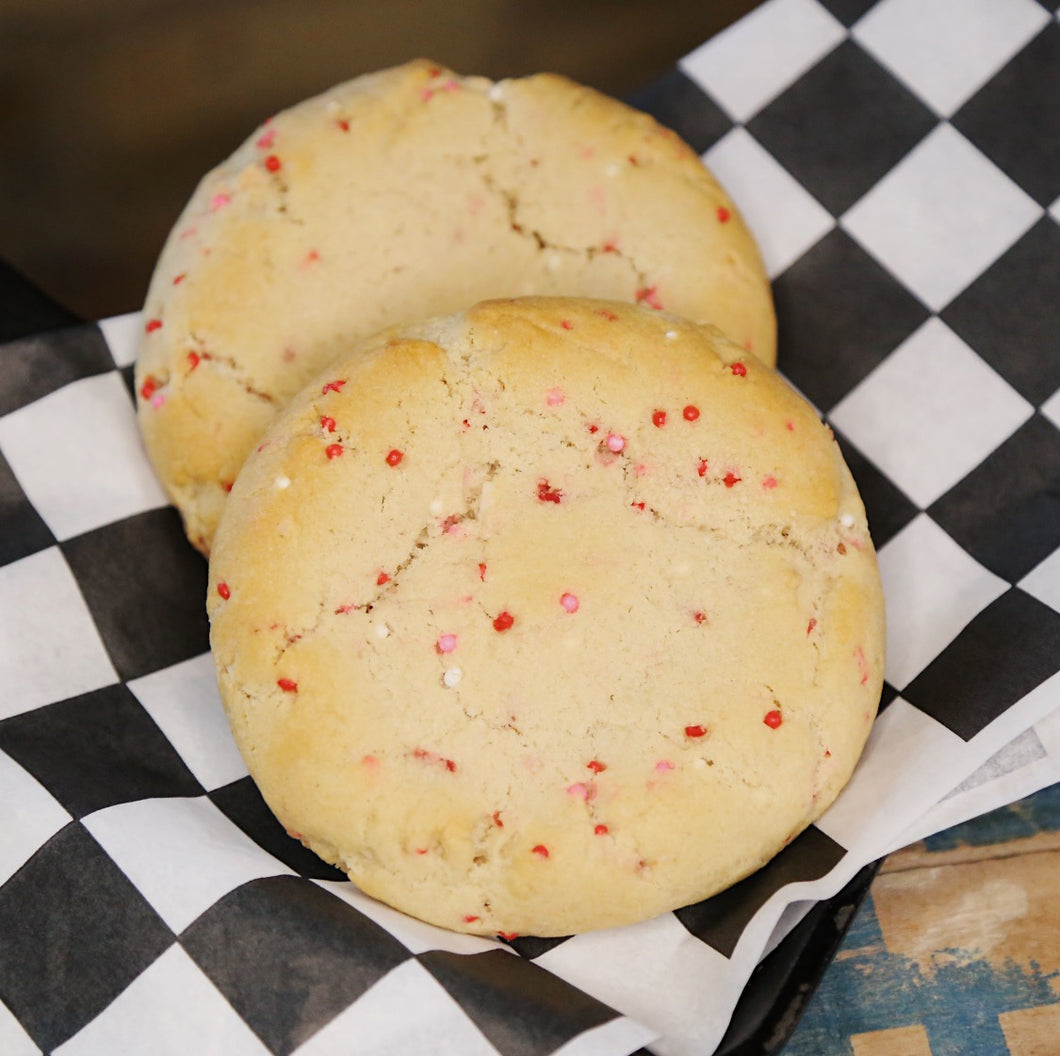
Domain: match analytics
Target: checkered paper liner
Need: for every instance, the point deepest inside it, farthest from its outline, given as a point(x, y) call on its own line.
point(149, 902)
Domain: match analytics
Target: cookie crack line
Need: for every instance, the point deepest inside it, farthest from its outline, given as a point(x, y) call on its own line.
point(543, 243)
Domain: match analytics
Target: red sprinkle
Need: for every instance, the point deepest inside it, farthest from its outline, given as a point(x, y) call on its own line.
point(541, 850)
point(149, 387)
point(637, 505)
point(607, 313)
point(394, 457)
point(699, 617)
point(730, 480)
point(769, 483)
point(227, 485)
point(178, 279)
point(738, 369)
point(773, 719)
point(194, 359)
point(328, 423)
point(723, 215)
point(343, 124)
point(695, 731)
point(287, 685)
point(691, 413)
point(507, 935)
point(600, 830)
point(547, 493)
point(702, 467)
point(482, 571)
point(470, 918)
point(649, 295)
point(381, 579)
point(497, 819)
point(272, 163)
point(223, 590)
point(153, 324)
point(333, 450)
point(566, 324)
point(333, 386)
point(810, 626)
point(596, 766)
point(658, 419)
point(504, 621)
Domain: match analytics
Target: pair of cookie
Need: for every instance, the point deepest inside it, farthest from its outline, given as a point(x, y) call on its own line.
point(540, 603)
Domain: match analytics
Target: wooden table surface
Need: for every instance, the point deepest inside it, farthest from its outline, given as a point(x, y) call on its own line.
point(956, 951)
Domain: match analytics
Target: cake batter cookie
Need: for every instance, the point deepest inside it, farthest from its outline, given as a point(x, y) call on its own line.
point(404, 194)
point(549, 616)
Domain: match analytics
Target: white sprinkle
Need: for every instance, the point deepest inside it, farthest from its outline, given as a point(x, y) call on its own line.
point(612, 169)
point(554, 262)
point(382, 630)
point(671, 334)
point(282, 482)
point(451, 677)
point(436, 507)
point(496, 92)
point(700, 763)
point(847, 520)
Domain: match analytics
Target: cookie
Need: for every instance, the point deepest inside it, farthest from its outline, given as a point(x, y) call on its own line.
point(548, 616)
point(404, 194)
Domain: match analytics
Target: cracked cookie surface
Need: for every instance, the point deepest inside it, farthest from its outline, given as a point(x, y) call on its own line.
point(549, 616)
point(404, 194)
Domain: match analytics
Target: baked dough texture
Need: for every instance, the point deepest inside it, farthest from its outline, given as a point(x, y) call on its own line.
point(404, 194)
point(548, 616)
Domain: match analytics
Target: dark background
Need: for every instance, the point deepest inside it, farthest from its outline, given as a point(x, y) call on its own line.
point(111, 110)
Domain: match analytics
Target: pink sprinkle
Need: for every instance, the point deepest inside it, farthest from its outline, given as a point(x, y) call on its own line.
point(769, 483)
point(219, 201)
point(863, 665)
point(370, 762)
point(157, 400)
point(310, 258)
point(153, 324)
point(266, 139)
point(446, 643)
point(554, 397)
point(663, 765)
point(569, 602)
point(578, 789)
point(615, 442)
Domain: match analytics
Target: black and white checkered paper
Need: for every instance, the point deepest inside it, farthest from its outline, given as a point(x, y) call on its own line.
point(900, 165)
